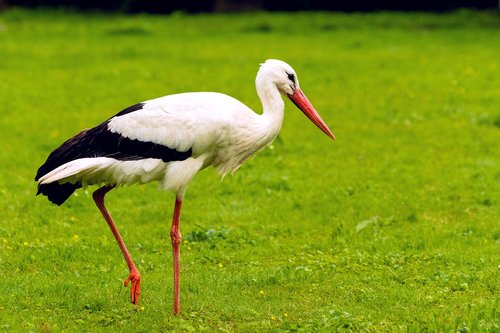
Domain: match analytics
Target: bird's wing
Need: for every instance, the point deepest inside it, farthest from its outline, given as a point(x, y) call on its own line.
point(100, 141)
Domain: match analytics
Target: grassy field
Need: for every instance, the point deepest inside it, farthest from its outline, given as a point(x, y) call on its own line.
point(394, 227)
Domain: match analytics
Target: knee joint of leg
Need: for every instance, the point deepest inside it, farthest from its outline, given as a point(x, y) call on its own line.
point(175, 236)
point(97, 196)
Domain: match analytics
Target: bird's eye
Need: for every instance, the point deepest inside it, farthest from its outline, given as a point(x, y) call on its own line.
point(291, 77)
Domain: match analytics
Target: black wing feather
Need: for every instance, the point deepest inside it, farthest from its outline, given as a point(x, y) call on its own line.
point(101, 142)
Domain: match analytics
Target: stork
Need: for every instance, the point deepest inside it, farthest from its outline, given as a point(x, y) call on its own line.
point(168, 140)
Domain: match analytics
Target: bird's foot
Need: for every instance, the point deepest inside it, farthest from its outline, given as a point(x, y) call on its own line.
point(135, 288)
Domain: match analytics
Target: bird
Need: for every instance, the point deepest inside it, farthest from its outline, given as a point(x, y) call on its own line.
point(169, 140)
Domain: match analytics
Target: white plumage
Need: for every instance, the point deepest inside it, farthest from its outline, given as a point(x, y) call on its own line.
point(203, 122)
point(170, 139)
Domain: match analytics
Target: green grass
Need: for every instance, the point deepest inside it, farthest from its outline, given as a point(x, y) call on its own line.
point(394, 227)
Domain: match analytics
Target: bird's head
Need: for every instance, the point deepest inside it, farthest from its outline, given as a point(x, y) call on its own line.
point(280, 74)
point(283, 76)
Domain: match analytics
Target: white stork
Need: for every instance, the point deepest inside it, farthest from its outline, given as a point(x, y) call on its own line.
point(170, 139)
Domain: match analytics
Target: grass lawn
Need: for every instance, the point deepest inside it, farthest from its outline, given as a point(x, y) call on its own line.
point(394, 227)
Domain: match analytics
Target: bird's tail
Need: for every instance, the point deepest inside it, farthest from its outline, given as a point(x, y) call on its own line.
point(60, 183)
point(57, 193)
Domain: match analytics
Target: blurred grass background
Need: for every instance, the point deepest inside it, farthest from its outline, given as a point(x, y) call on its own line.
point(394, 227)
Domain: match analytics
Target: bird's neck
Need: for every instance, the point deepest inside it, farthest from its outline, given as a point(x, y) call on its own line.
point(273, 110)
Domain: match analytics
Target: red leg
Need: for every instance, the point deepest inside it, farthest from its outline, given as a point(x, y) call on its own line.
point(134, 276)
point(175, 236)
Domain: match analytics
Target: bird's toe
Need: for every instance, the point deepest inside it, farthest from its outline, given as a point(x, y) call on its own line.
point(135, 288)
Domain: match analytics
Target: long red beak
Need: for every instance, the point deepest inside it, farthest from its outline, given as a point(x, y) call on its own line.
point(300, 100)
